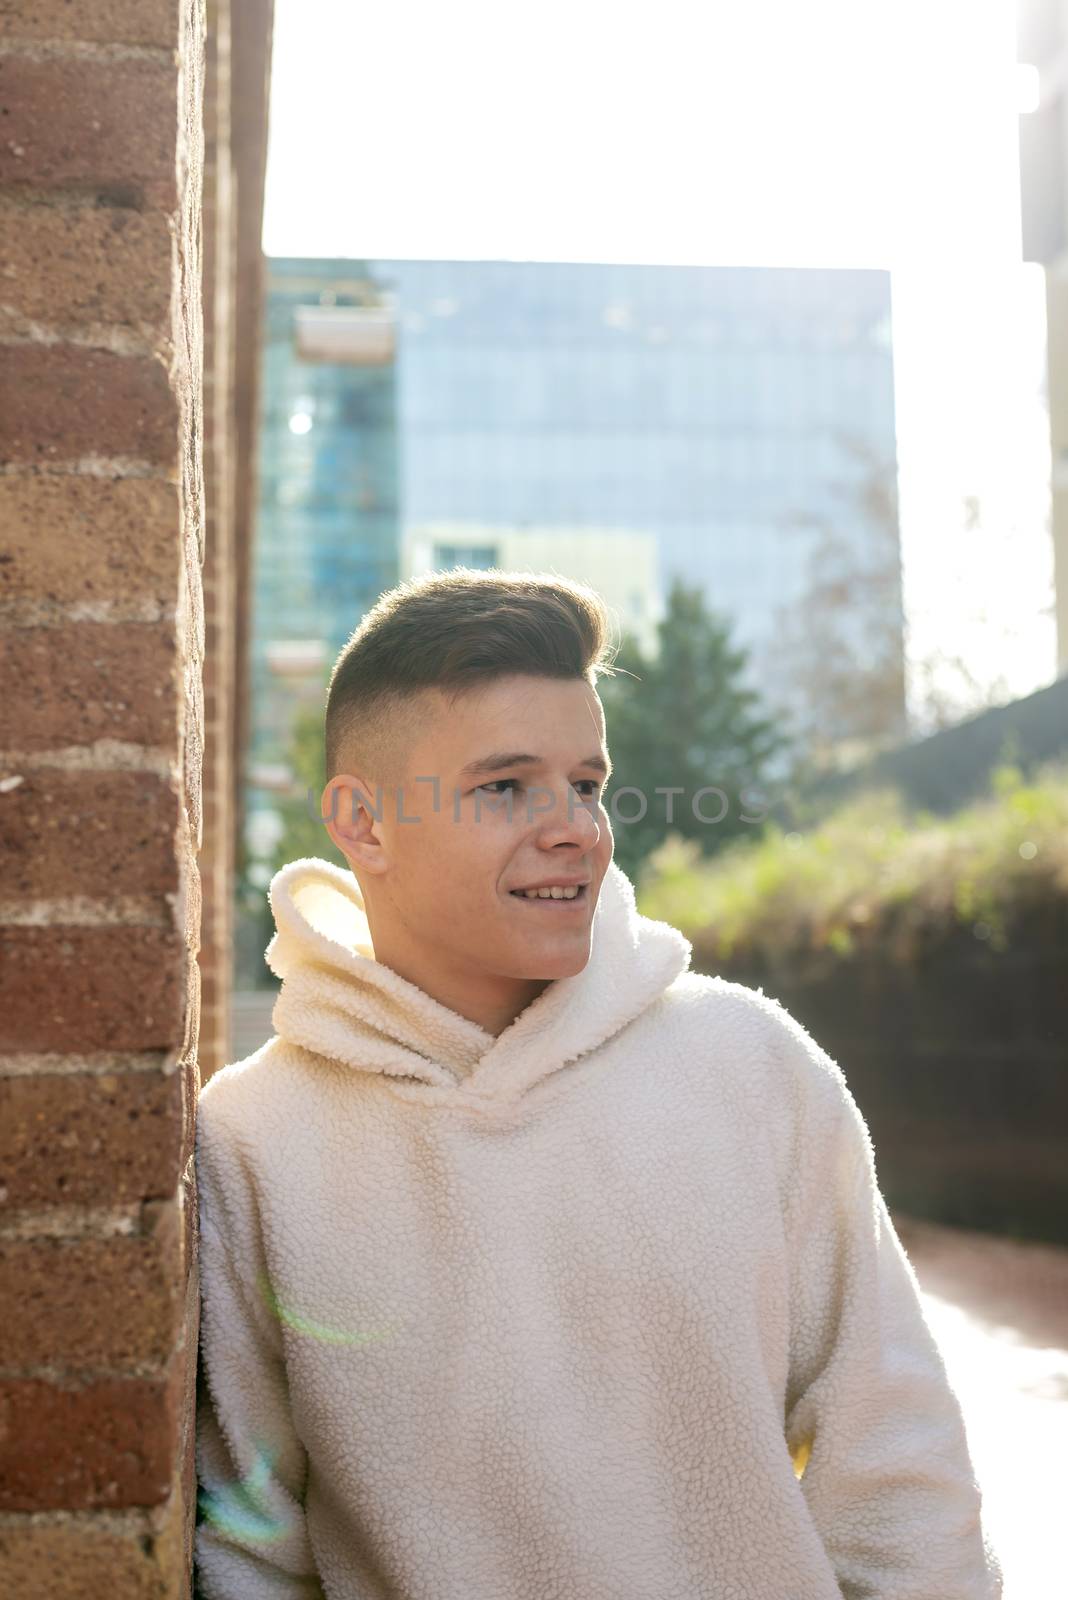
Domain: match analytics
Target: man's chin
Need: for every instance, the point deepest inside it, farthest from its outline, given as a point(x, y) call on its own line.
point(553, 964)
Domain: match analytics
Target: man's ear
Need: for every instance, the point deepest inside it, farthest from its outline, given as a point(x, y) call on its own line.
point(353, 819)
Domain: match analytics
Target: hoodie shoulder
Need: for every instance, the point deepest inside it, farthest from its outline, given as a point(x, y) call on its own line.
point(237, 1078)
point(769, 1041)
point(252, 1094)
point(796, 1092)
point(750, 1008)
point(702, 989)
point(729, 1013)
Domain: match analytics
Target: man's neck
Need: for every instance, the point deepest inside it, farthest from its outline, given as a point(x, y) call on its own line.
point(489, 1000)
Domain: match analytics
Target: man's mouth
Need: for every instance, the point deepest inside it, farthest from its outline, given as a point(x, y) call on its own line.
point(560, 900)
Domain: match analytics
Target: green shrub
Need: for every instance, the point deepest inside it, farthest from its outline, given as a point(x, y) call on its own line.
point(869, 866)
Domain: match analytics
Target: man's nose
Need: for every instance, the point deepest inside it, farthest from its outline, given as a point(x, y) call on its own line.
point(575, 812)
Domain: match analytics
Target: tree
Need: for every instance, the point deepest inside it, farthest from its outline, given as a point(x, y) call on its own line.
point(839, 659)
point(300, 833)
point(685, 721)
point(303, 832)
point(992, 611)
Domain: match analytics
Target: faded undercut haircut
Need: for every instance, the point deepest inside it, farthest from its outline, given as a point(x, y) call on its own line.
point(453, 631)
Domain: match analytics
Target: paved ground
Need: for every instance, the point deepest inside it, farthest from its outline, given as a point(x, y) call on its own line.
point(999, 1311)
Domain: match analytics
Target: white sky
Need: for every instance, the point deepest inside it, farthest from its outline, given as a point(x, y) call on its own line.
point(876, 133)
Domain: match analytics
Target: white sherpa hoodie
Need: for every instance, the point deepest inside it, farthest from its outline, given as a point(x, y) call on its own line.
point(561, 1314)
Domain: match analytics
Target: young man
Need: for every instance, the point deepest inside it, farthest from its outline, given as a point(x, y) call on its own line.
point(533, 1263)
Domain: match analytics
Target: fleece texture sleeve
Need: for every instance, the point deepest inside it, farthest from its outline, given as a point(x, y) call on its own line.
point(251, 1538)
point(888, 1478)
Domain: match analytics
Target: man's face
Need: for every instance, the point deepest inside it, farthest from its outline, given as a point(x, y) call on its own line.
point(440, 887)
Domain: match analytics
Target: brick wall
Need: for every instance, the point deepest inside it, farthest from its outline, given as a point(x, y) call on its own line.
point(117, 574)
point(235, 151)
point(220, 288)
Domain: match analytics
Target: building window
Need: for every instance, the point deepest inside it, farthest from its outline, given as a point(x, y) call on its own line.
point(482, 556)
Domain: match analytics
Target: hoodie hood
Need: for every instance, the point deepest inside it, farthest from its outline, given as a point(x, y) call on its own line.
point(338, 1001)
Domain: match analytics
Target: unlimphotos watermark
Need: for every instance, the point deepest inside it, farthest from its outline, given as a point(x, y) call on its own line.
point(709, 805)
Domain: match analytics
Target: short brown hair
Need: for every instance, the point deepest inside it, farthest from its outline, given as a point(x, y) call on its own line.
point(451, 631)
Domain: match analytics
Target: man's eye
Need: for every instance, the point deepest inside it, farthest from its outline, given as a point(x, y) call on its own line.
point(594, 784)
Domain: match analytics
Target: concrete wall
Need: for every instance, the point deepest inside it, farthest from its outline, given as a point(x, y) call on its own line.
point(956, 1054)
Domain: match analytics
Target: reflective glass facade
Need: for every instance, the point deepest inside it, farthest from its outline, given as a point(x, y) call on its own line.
point(728, 412)
point(326, 542)
point(705, 405)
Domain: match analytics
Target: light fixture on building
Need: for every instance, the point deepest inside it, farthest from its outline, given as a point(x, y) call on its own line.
point(357, 336)
point(295, 658)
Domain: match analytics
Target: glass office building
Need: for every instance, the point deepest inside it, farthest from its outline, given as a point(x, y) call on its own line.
point(327, 529)
point(722, 409)
point(737, 416)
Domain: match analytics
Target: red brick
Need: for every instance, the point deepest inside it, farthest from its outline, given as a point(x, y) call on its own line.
point(187, 1457)
point(189, 1498)
point(86, 681)
point(103, 127)
point(89, 1139)
point(190, 1090)
point(189, 907)
point(109, 1442)
point(75, 402)
point(189, 1352)
point(82, 1558)
point(124, 824)
point(92, 1302)
point(103, 22)
point(102, 987)
point(190, 1066)
point(70, 539)
point(190, 1217)
point(73, 265)
point(193, 766)
point(91, 988)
